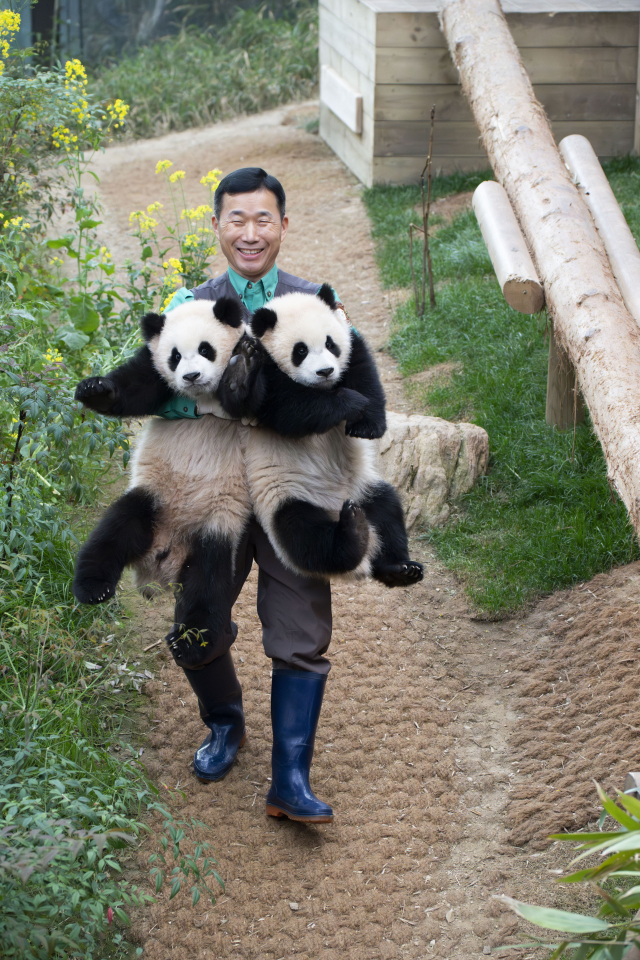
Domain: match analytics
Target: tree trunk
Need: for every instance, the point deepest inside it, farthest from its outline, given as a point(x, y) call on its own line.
point(591, 322)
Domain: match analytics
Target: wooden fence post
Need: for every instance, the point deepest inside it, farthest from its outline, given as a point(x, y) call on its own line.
point(564, 405)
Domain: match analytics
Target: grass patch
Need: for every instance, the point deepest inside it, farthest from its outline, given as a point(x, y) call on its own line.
point(543, 518)
point(253, 63)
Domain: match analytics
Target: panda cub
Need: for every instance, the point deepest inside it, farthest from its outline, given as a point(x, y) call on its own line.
point(319, 497)
point(187, 505)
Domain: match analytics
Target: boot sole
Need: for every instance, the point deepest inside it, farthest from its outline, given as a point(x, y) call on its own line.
point(277, 812)
point(223, 775)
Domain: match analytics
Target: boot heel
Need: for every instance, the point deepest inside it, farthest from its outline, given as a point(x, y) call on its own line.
point(274, 812)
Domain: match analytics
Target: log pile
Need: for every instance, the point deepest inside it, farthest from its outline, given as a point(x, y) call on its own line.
point(591, 322)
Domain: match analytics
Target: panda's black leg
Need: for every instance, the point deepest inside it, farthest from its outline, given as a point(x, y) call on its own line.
point(203, 602)
point(319, 544)
point(124, 534)
point(391, 565)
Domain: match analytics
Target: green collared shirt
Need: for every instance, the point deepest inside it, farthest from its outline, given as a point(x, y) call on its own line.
point(254, 294)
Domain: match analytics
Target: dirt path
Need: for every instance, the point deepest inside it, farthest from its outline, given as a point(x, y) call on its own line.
point(423, 732)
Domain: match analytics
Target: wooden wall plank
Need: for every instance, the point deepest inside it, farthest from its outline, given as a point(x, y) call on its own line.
point(349, 73)
point(574, 29)
point(422, 30)
point(544, 65)
point(566, 101)
point(356, 49)
point(346, 145)
point(357, 16)
point(341, 97)
point(397, 170)
point(393, 138)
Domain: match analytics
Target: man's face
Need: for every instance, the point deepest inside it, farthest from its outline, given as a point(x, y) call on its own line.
point(250, 232)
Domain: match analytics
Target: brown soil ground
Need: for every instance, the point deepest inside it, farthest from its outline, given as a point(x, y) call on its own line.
point(448, 746)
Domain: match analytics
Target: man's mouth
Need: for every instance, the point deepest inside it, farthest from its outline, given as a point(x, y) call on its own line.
point(250, 251)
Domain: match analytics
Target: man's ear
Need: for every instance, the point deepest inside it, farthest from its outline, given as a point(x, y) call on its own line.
point(326, 295)
point(228, 310)
point(262, 320)
point(151, 325)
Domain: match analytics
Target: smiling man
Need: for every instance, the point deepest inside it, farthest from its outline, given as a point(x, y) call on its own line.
point(250, 223)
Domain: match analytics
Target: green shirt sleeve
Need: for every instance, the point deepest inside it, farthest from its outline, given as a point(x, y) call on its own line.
point(179, 408)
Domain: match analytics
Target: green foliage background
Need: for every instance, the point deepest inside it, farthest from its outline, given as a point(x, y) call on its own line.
point(254, 62)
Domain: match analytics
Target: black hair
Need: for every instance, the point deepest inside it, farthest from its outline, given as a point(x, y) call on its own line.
point(248, 180)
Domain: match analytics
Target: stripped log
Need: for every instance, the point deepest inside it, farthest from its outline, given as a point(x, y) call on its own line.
point(507, 248)
point(622, 250)
point(590, 319)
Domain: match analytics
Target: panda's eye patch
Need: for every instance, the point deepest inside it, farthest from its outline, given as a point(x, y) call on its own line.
point(206, 350)
point(332, 347)
point(174, 359)
point(298, 354)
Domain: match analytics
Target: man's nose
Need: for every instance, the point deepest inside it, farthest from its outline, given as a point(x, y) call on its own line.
point(250, 232)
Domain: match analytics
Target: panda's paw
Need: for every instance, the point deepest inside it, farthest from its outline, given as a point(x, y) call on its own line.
point(237, 380)
point(98, 393)
point(352, 537)
point(399, 574)
point(93, 589)
point(365, 429)
point(188, 647)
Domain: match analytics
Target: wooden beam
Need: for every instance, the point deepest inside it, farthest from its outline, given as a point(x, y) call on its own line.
point(507, 248)
point(340, 97)
point(590, 319)
point(622, 250)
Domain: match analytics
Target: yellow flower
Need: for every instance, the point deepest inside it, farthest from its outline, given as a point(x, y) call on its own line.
point(173, 262)
point(167, 301)
point(53, 356)
point(176, 175)
point(104, 253)
point(196, 213)
point(18, 222)
point(145, 223)
point(154, 207)
point(212, 179)
point(75, 71)
point(163, 165)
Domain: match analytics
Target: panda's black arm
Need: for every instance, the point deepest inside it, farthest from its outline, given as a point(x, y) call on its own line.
point(253, 386)
point(134, 389)
point(362, 375)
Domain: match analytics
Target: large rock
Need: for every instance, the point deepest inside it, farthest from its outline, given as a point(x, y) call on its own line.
point(430, 462)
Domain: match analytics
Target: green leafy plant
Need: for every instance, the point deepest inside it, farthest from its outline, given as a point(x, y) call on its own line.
point(612, 932)
point(252, 63)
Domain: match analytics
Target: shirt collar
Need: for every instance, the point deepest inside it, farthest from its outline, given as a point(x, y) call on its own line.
point(268, 283)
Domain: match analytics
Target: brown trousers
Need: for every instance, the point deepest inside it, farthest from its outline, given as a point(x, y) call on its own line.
point(295, 613)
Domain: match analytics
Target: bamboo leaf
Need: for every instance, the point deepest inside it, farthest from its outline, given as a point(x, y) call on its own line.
point(553, 919)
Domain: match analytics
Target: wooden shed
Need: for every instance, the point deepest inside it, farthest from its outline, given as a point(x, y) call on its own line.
point(384, 63)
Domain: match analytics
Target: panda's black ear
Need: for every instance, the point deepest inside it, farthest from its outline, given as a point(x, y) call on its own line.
point(228, 310)
point(326, 295)
point(151, 325)
point(263, 319)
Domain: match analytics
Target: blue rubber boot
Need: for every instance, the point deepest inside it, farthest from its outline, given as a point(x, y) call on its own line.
point(296, 700)
point(220, 697)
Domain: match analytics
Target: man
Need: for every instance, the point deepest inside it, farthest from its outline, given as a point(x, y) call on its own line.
point(250, 223)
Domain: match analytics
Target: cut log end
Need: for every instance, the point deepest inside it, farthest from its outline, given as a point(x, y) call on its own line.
point(526, 296)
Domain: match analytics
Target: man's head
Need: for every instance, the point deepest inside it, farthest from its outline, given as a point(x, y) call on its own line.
point(249, 220)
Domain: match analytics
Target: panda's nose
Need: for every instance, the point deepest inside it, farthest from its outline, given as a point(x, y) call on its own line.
point(191, 377)
point(326, 373)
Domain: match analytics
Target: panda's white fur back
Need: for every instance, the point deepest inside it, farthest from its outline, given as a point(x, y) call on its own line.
point(323, 469)
point(194, 468)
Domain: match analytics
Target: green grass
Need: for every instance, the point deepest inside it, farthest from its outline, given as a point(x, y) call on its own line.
point(543, 518)
point(253, 63)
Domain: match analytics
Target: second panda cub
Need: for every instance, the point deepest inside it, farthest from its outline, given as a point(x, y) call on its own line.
point(319, 496)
